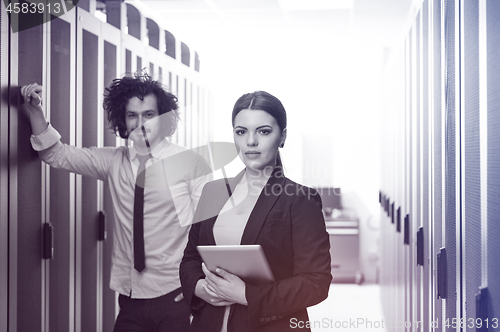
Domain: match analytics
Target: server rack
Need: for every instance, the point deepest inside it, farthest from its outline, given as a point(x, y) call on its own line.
point(440, 100)
point(74, 56)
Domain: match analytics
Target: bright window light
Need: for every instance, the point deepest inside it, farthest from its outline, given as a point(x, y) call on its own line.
point(100, 15)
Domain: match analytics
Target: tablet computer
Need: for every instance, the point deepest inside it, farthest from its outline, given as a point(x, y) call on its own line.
point(246, 261)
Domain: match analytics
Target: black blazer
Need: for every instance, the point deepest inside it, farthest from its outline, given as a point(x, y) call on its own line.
point(288, 223)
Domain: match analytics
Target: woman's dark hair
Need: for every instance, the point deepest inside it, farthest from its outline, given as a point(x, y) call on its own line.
point(121, 90)
point(263, 101)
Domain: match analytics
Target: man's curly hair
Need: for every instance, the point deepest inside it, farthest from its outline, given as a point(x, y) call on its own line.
point(121, 90)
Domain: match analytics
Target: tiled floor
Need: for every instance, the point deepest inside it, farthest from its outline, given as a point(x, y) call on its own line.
point(349, 307)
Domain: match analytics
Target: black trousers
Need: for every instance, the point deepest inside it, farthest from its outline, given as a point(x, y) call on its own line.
point(161, 314)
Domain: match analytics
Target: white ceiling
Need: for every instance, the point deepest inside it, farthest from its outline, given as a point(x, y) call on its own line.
point(382, 19)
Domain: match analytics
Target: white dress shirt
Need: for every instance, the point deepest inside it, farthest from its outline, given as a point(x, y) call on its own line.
point(175, 177)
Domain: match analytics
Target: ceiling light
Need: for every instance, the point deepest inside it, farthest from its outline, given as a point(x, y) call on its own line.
point(316, 4)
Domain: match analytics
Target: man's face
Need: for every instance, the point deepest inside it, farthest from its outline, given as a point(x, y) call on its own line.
point(143, 112)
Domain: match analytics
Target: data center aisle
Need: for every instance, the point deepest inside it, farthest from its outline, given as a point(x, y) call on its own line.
point(349, 307)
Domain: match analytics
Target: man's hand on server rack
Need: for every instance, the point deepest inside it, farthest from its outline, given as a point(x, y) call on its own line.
point(33, 104)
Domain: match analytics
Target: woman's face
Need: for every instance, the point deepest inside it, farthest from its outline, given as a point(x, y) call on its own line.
point(258, 136)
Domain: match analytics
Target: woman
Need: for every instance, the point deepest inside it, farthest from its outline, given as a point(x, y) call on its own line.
point(259, 206)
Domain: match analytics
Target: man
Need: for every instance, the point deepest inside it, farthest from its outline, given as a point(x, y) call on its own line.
point(155, 186)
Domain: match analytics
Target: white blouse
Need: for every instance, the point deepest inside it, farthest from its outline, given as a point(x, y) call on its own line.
point(231, 222)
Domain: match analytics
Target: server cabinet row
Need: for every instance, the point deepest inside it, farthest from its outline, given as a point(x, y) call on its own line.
point(439, 194)
point(56, 227)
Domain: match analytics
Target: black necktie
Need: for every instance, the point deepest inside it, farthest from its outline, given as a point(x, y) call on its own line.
point(139, 257)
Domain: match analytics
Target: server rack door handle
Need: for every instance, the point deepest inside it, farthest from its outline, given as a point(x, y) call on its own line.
point(420, 246)
point(47, 241)
point(101, 226)
point(392, 213)
point(482, 309)
point(441, 274)
point(407, 230)
point(398, 220)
